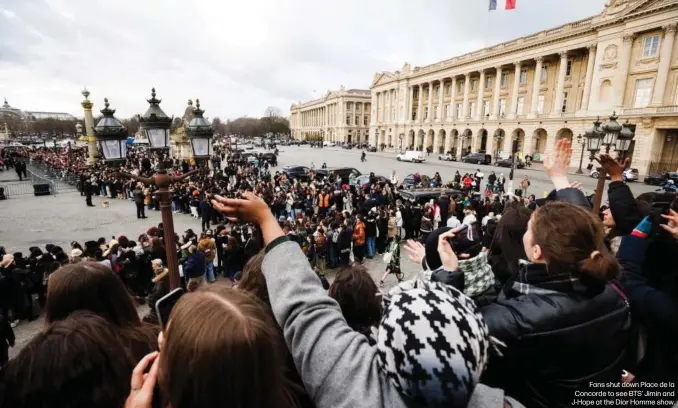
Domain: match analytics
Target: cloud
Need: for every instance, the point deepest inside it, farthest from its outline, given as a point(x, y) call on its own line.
point(238, 57)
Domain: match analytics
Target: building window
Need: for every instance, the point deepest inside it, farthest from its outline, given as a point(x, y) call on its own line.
point(504, 79)
point(488, 83)
point(523, 76)
point(544, 73)
point(520, 105)
point(650, 46)
point(414, 114)
point(460, 86)
point(502, 107)
point(393, 114)
point(643, 93)
point(447, 111)
point(474, 85)
point(564, 107)
point(366, 120)
point(348, 119)
point(448, 90)
point(458, 113)
point(568, 69)
point(425, 112)
point(540, 105)
point(357, 120)
point(486, 108)
point(472, 109)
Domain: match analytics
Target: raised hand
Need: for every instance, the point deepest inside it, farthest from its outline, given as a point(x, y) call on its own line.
point(613, 167)
point(557, 162)
point(141, 390)
point(672, 226)
point(249, 209)
point(447, 256)
point(415, 251)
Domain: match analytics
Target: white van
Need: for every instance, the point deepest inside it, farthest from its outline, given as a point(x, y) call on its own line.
point(412, 156)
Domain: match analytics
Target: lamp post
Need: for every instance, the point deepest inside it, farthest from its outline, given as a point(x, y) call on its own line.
point(581, 140)
point(612, 133)
point(400, 136)
point(111, 135)
point(155, 124)
point(498, 137)
point(157, 129)
point(200, 133)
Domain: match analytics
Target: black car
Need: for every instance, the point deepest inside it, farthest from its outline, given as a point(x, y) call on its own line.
point(343, 172)
point(372, 149)
point(271, 158)
point(296, 172)
point(409, 181)
point(509, 162)
point(660, 179)
point(347, 146)
point(424, 195)
point(477, 158)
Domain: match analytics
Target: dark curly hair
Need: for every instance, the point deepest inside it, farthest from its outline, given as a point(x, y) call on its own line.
point(355, 291)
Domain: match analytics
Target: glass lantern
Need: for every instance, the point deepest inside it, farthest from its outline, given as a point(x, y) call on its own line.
point(612, 130)
point(624, 138)
point(200, 133)
point(156, 124)
point(157, 138)
point(111, 135)
point(113, 149)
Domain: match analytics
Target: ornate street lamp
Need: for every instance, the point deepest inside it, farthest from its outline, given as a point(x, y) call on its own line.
point(582, 141)
point(111, 135)
point(155, 124)
point(200, 133)
point(612, 133)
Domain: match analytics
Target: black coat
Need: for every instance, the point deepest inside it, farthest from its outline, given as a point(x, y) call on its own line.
point(444, 204)
point(557, 341)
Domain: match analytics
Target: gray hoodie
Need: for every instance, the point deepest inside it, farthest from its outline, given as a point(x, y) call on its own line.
point(337, 365)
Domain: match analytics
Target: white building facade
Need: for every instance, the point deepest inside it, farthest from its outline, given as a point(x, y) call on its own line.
point(542, 87)
point(339, 116)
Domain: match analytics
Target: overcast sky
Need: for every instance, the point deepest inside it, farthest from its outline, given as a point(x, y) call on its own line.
point(240, 56)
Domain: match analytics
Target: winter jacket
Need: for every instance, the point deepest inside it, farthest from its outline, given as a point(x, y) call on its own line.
point(160, 288)
point(332, 358)
point(623, 207)
point(208, 247)
point(552, 332)
point(370, 227)
point(359, 234)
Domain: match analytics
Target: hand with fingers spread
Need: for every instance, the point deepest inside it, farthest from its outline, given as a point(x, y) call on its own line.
point(249, 209)
point(577, 185)
point(613, 167)
point(141, 392)
point(447, 256)
point(672, 226)
point(557, 163)
point(415, 251)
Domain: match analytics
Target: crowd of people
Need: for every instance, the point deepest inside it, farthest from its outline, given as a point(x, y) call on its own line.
point(507, 311)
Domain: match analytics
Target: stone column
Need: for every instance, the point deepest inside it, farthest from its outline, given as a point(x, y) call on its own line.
point(89, 128)
point(664, 65)
point(560, 85)
point(534, 106)
point(481, 94)
point(420, 105)
point(623, 71)
point(516, 89)
point(430, 102)
point(441, 100)
point(467, 89)
point(590, 66)
point(453, 95)
point(495, 97)
point(410, 105)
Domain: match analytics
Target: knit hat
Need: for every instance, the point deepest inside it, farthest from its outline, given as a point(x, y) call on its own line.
point(478, 276)
point(432, 344)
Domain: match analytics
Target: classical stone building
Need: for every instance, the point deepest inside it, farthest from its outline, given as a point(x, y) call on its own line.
point(339, 116)
point(542, 87)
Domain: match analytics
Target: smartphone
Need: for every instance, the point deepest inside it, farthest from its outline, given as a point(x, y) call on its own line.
point(164, 306)
point(660, 208)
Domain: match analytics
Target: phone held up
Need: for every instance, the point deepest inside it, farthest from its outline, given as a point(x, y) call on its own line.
point(164, 306)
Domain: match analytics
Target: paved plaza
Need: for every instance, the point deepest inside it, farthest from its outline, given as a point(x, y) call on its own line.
point(26, 220)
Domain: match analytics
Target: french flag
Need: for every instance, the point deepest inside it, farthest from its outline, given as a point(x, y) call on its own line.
point(510, 5)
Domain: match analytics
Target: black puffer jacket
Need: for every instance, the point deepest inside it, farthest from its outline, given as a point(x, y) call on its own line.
point(559, 337)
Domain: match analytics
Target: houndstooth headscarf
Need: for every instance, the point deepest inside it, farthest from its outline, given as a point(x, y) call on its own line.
point(432, 344)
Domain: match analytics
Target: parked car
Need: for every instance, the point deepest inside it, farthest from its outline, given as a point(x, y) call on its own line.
point(364, 180)
point(628, 175)
point(343, 172)
point(296, 172)
point(329, 144)
point(477, 158)
point(410, 181)
point(412, 156)
point(424, 195)
point(509, 162)
point(660, 179)
point(347, 146)
point(372, 149)
point(271, 158)
point(447, 157)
